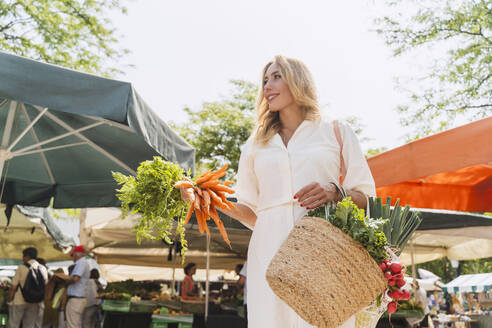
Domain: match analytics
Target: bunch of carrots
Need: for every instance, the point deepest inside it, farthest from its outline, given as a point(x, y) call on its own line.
point(210, 194)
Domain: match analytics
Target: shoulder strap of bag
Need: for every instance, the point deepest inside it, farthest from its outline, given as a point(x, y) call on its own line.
point(338, 135)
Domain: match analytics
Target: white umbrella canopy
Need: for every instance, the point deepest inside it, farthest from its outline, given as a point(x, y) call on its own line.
point(470, 283)
point(455, 244)
point(452, 234)
point(112, 241)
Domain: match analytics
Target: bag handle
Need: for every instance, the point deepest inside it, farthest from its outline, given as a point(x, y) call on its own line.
point(343, 171)
point(338, 135)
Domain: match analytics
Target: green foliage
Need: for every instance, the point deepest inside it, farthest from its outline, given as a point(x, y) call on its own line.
point(375, 151)
point(476, 266)
point(151, 193)
point(219, 129)
point(73, 33)
point(352, 220)
point(458, 36)
point(401, 222)
point(442, 267)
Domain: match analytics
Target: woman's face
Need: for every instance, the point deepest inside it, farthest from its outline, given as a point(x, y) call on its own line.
point(276, 90)
point(192, 270)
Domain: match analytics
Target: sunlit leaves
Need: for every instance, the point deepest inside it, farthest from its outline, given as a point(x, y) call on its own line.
point(457, 35)
point(73, 33)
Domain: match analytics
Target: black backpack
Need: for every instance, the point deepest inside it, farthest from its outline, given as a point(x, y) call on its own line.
point(34, 287)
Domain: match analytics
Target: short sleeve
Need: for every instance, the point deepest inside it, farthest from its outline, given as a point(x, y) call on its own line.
point(358, 176)
point(80, 267)
point(247, 184)
point(16, 279)
point(244, 269)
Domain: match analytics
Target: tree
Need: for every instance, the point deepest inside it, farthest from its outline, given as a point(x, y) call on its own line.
point(72, 33)
point(457, 35)
point(219, 128)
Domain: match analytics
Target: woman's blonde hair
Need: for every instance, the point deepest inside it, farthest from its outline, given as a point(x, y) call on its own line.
point(300, 82)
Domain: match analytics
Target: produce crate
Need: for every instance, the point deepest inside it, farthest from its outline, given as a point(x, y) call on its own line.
point(197, 307)
point(161, 321)
point(116, 305)
point(143, 306)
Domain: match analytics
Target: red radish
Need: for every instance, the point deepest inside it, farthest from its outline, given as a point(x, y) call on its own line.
point(391, 282)
point(406, 295)
point(391, 307)
point(395, 267)
point(385, 261)
point(388, 275)
point(400, 283)
point(397, 295)
point(399, 276)
point(390, 293)
point(383, 267)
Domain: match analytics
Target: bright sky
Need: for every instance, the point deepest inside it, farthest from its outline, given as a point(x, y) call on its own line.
point(185, 52)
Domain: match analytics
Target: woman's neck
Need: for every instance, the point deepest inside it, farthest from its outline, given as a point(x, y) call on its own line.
point(290, 118)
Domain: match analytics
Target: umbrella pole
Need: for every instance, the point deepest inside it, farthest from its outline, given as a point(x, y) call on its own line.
point(4, 153)
point(414, 270)
point(207, 279)
point(173, 284)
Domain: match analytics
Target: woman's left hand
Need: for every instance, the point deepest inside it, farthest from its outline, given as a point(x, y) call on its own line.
point(314, 195)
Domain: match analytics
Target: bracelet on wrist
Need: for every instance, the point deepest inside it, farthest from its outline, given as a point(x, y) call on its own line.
point(341, 193)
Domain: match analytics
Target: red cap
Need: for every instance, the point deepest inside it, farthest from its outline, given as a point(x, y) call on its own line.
point(78, 249)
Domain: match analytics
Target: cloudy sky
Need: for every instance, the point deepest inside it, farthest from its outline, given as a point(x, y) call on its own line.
point(185, 53)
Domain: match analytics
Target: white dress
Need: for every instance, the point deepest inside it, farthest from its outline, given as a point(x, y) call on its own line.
point(268, 177)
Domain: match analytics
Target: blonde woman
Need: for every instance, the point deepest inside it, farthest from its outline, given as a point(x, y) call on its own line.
point(288, 166)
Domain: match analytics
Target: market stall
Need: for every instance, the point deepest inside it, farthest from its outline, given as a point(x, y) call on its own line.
point(471, 300)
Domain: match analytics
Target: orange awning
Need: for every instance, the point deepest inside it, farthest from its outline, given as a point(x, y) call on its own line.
point(451, 170)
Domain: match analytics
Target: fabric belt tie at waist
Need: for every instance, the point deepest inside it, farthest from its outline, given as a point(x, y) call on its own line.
point(288, 202)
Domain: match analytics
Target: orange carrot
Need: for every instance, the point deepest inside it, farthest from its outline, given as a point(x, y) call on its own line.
point(183, 184)
point(204, 177)
point(220, 172)
point(190, 211)
point(222, 195)
point(199, 191)
point(209, 184)
point(197, 201)
point(204, 209)
point(217, 200)
point(220, 225)
point(228, 183)
point(228, 203)
point(206, 197)
point(223, 188)
point(200, 221)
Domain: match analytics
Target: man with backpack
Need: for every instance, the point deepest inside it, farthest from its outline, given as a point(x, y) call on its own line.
point(27, 292)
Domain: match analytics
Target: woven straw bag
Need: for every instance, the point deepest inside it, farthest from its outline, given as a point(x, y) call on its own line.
point(323, 274)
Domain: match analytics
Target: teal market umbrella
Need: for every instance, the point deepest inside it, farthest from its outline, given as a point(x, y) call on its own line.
point(62, 132)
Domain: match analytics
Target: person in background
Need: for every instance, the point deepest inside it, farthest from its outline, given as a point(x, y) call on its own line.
point(63, 303)
point(423, 301)
point(21, 310)
point(188, 290)
point(242, 283)
point(39, 321)
point(90, 315)
point(56, 284)
point(76, 290)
